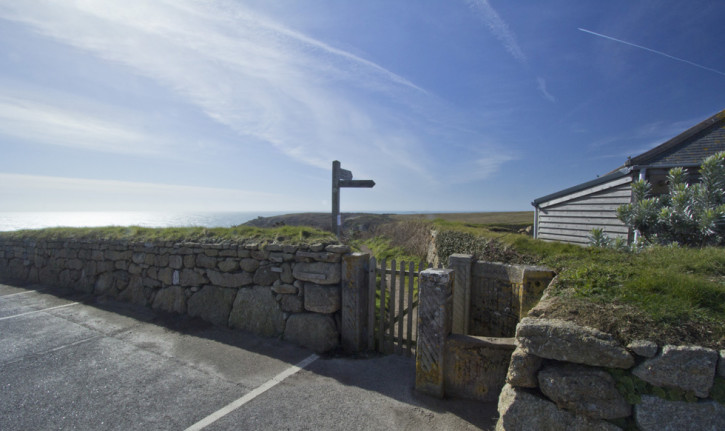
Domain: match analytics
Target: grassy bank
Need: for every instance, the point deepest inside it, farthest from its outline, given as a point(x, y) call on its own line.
point(506, 221)
point(667, 294)
point(284, 234)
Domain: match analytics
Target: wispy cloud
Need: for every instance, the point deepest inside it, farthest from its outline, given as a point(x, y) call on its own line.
point(640, 139)
point(542, 89)
point(264, 81)
point(57, 124)
point(491, 164)
point(501, 31)
point(654, 51)
point(275, 87)
point(34, 193)
point(483, 166)
point(498, 28)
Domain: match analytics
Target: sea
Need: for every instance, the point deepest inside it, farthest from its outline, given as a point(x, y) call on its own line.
point(12, 221)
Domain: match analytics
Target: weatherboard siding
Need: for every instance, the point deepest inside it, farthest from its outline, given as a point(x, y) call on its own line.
point(572, 220)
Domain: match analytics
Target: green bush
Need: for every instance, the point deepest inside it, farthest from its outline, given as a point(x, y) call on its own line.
point(689, 214)
point(450, 241)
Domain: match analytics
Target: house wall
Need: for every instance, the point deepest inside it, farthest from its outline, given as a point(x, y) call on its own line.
point(571, 218)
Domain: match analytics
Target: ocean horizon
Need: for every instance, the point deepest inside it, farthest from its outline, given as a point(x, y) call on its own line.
point(20, 220)
point(13, 221)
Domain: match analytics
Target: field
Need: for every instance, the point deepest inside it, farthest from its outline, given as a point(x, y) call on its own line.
point(515, 218)
point(369, 222)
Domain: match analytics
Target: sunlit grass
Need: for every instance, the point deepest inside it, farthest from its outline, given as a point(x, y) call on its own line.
point(286, 234)
point(674, 286)
point(381, 248)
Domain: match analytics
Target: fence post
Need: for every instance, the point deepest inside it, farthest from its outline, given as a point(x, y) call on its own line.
point(434, 326)
point(354, 331)
point(461, 264)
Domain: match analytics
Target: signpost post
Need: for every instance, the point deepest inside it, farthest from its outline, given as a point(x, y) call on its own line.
point(343, 178)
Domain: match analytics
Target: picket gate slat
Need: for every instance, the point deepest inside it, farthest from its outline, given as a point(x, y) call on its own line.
point(392, 316)
point(372, 287)
point(390, 346)
point(381, 311)
point(400, 319)
point(409, 333)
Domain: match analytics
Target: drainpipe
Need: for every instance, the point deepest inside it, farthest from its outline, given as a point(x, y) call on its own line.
point(536, 220)
point(642, 176)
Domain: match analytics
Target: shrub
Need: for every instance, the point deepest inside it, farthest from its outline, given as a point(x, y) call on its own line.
point(598, 238)
point(692, 215)
point(451, 241)
point(412, 236)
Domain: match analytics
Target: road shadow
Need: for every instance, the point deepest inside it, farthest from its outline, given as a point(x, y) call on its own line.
point(391, 376)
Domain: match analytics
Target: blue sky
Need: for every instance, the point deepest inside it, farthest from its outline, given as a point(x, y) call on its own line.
point(243, 105)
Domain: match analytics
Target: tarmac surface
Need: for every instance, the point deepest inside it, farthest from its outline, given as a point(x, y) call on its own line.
point(71, 361)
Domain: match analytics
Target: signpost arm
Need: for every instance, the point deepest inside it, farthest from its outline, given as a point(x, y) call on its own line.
point(343, 178)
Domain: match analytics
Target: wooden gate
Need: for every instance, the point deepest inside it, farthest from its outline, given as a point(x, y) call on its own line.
point(393, 306)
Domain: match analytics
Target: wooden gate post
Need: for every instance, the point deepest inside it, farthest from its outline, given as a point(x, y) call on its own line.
point(434, 326)
point(336, 221)
point(354, 331)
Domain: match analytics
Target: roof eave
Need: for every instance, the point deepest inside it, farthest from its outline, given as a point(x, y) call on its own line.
point(595, 182)
point(692, 131)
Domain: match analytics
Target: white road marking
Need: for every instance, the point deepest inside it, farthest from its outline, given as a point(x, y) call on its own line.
point(37, 311)
point(252, 395)
point(53, 350)
point(18, 293)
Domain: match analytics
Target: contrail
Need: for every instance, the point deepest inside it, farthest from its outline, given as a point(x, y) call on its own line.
point(653, 50)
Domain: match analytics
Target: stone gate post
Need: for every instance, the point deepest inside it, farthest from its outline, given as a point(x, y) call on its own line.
point(354, 331)
point(461, 264)
point(434, 326)
point(534, 281)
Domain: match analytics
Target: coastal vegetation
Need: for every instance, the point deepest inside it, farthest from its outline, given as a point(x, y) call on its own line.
point(283, 234)
point(669, 293)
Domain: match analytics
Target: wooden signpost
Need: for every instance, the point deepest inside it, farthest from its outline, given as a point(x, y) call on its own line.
point(343, 178)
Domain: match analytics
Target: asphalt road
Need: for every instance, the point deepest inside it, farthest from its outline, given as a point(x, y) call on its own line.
point(80, 362)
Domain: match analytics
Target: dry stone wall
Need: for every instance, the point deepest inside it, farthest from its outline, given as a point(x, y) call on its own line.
point(565, 376)
point(292, 291)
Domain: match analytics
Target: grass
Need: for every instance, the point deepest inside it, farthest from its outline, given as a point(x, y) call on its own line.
point(509, 218)
point(666, 294)
point(669, 294)
point(381, 248)
point(284, 234)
